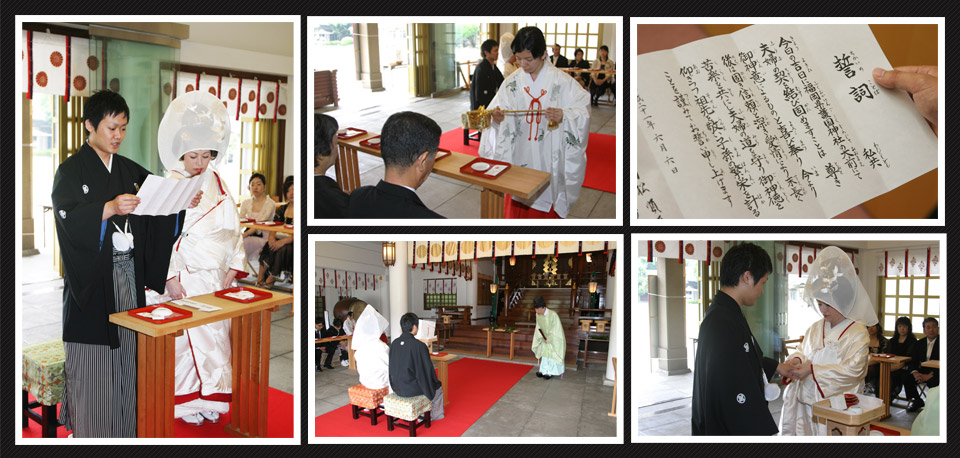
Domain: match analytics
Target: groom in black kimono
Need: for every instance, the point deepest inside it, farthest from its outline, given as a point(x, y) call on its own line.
point(109, 256)
point(730, 372)
point(411, 371)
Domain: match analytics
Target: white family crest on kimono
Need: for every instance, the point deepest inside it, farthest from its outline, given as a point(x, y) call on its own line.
point(526, 140)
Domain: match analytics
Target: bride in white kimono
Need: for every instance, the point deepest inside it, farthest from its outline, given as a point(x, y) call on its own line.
point(529, 140)
point(371, 354)
point(208, 256)
point(835, 351)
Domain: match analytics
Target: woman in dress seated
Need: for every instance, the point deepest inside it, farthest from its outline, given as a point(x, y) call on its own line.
point(277, 255)
point(901, 344)
point(259, 207)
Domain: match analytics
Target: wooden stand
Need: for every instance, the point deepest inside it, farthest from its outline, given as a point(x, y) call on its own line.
point(250, 345)
point(490, 332)
point(887, 365)
point(442, 363)
point(845, 424)
point(518, 181)
point(613, 403)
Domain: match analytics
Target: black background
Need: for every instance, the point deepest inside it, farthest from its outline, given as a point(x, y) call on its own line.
point(10, 385)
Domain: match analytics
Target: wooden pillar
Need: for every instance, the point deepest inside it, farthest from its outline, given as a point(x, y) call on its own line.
point(368, 45)
point(29, 241)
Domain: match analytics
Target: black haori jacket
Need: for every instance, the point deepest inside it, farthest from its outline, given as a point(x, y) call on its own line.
point(81, 187)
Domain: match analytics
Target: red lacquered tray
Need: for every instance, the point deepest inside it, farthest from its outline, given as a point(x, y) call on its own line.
point(366, 142)
point(178, 313)
point(257, 294)
point(269, 223)
point(439, 354)
point(247, 220)
point(358, 133)
point(468, 168)
point(442, 153)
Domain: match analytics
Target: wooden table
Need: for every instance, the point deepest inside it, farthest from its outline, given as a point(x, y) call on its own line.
point(887, 365)
point(260, 227)
point(250, 345)
point(349, 339)
point(490, 332)
point(519, 181)
point(934, 363)
point(442, 363)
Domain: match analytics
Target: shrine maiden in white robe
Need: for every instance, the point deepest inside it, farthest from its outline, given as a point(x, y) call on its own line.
point(210, 245)
point(839, 355)
point(524, 140)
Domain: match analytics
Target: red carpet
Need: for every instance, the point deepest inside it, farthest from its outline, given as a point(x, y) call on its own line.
point(601, 157)
point(475, 384)
point(279, 424)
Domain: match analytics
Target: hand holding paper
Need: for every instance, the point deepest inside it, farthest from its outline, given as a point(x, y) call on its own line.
point(124, 204)
point(920, 82)
point(166, 196)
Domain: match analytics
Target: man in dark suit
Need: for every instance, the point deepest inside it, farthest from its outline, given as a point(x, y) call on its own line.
point(408, 146)
point(924, 350)
point(557, 59)
point(335, 330)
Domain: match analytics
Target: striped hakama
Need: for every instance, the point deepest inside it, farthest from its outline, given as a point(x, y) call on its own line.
point(100, 397)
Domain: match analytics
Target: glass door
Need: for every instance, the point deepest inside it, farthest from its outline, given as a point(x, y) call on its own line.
point(134, 70)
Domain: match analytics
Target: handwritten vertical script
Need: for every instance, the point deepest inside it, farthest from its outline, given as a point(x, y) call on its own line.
point(773, 122)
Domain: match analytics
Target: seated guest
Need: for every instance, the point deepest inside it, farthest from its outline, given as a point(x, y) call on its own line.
point(600, 81)
point(409, 146)
point(277, 255)
point(335, 330)
point(329, 201)
point(579, 62)
point(259, 207)
point(411, 371)
point(924, 350)
point(901, 344)
point(318, 348)
point(557, 59)
point(878, 344)
point(371, 354)
point(486, 77)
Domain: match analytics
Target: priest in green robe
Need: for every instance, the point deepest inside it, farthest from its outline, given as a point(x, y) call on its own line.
point(549, 343)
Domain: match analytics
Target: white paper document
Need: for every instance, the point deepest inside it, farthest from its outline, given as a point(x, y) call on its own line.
point(773, 121)
point(196, 305)
point(166, 196)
